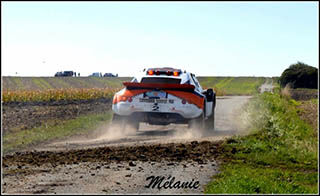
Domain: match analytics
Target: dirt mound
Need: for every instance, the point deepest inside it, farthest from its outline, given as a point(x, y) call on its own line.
point(200, 152)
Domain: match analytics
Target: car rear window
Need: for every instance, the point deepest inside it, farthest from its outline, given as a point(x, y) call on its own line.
point(161, 80)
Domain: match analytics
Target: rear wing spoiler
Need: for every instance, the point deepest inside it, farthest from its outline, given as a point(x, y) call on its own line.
point(180, 87)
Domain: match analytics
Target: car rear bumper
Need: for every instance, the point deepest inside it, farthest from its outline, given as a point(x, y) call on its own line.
point(186, 111)
point(158, 118)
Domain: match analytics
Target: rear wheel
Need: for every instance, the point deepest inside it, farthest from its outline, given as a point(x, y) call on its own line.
point(119, 121)
point(209, 122)
point(124, 121)
point(133, 123)
point(197, 123)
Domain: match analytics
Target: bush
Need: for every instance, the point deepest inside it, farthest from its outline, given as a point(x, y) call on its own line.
point(300, 75)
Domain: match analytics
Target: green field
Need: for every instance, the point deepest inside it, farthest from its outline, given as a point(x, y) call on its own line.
point(222, 85)
point(45, 83)
point(233, 85)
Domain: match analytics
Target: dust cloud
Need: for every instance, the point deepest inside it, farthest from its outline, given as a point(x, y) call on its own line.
point(114, 132)
point(243, 120)
point(104, 133)
point(183, 132)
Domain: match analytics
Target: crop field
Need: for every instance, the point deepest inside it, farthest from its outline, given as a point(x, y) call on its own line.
point(57, 94)
point(45, 83)
point(233, 85)
point(28, 89)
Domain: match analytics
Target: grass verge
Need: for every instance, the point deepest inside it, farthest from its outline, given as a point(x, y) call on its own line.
point(53, 130)
point(280, 155)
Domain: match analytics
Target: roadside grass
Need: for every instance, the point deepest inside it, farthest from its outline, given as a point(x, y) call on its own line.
point(233, 85)
point(250, 179)
point(280, 155)
point(276, 85)
point(53, 130)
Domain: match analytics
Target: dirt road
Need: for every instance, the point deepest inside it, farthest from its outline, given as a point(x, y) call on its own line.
point(112, 162)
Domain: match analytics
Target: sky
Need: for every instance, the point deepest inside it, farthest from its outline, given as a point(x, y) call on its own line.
point(205, 38)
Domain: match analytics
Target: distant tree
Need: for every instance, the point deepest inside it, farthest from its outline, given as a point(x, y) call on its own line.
point(300, 75)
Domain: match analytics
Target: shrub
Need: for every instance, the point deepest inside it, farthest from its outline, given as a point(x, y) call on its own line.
point(300, 75)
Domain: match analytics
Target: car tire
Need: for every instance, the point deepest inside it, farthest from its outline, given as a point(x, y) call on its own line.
point(133, 123)
point(119, 121)
point(198, 123)
point(123, 122)
point(209, 122)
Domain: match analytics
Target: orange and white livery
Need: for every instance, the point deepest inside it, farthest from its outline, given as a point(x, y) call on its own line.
point(160, 96)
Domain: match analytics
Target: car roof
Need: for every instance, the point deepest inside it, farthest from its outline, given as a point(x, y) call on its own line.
point(183, 76)
point(164, 69)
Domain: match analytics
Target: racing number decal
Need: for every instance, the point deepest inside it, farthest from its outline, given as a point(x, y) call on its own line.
point(155, 107)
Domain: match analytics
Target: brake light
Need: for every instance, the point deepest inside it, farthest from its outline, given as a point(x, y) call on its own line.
point(176, 73)
point(126, 95)
point(157, 72)
point(169, 73)
point(150, 72)
point(121, 98)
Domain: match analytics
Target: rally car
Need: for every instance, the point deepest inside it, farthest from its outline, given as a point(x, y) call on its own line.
point(160, 96)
